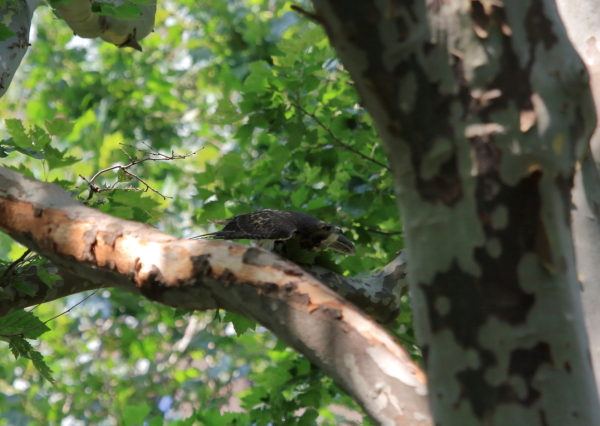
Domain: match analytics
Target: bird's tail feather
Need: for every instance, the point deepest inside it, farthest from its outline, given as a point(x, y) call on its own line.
point(211, 236)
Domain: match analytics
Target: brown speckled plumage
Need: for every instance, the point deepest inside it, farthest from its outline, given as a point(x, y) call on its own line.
point(282, 225)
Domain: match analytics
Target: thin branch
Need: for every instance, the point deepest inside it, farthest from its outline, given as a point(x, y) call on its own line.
point(12, 266)
point(379, 231)
point(337, 140)
point(152, 156)
point(310, 15)
point(50, 319)
point(72, 307)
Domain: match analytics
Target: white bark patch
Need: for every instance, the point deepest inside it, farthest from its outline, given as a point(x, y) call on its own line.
point(498, 336)
point(379, 394)
point(541, 113)
point(472, 359)
point(519, 386)
point(393, 367)
point(493, 247)
point(500, 217)
point(447, 234)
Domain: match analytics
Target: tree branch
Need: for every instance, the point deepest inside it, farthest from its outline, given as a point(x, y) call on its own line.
point(358, 353)
point(85, 23)
point(337, 140)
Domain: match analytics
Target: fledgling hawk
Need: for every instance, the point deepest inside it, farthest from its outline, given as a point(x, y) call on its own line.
point(270, 228)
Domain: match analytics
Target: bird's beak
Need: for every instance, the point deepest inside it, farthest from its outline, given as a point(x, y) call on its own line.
point(342, 245)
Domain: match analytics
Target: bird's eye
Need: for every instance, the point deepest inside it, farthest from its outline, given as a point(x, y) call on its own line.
point(327, 227)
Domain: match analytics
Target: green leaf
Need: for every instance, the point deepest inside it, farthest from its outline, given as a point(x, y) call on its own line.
point(46, 276)
point(39, 136)
point(240, 323)
point(22, 323)
point(127, 10)
point(21, 348)
point(137, 199)
point(57, 158)
point(259, 77)
point(135, 414)
point(5, 32)
point(124, 177)
point(58, 126)
point(309, 418)
point(24, 287)
point(15, 128)
point(41, 366)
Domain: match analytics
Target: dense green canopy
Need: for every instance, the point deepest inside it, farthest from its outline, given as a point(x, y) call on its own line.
point(250, 98)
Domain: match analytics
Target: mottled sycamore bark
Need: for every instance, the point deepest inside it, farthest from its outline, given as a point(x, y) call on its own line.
point(582, 20)
point(484, 109)
point(16, 16)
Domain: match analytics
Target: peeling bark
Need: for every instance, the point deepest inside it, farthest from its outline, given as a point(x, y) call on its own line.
point(484, 110)
point(360, 355)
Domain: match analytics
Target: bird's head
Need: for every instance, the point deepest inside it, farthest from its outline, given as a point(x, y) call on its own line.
point(335, 240)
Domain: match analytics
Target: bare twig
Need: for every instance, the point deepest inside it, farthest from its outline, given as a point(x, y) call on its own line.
point(66, 311)
point(12, 266)
point(337, 140)
point(72, 307)
point(310, 15)
point(151, 156)
point(379, 231)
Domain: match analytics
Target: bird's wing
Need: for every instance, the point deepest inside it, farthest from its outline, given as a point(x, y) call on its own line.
point(258, 225)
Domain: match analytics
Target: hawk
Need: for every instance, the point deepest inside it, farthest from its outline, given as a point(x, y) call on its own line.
point(272, 229)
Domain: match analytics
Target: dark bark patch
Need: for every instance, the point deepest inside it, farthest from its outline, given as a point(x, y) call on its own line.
point(538, 26)
point(295, 271)
point(254, 256)
point(269, 288)
point(153, 292)
point(155, 277)
point(470, 299)
point(445, 187)
point(290, 287)
point(201, 264)
point(484, 397)
point(227, 278)
point(564, 184)
point(525, 363)
point(298, 299)
point(331, 313)
point(543, 418)
point(487, 157)
point(480, 19)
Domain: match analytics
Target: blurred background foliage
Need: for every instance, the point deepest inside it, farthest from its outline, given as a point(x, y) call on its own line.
point(254, 90)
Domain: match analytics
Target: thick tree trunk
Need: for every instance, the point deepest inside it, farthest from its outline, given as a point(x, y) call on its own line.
point(17, 17)
point(484, 110)
point(582, 20)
